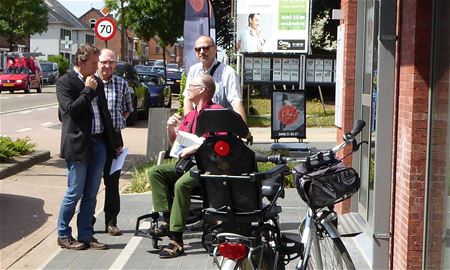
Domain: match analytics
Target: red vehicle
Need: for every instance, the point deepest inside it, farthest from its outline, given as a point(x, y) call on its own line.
point(22, 73)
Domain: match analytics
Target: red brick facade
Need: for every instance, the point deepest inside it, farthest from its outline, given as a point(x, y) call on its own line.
point(412, 109)
point(349, 9)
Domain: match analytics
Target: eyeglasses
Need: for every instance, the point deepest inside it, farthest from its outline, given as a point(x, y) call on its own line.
point(110, 62)
point(204, 48)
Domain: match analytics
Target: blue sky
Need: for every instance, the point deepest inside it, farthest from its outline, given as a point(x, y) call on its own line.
point(79, 7)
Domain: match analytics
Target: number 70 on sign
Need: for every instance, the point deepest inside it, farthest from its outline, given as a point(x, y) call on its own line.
point(105, 28)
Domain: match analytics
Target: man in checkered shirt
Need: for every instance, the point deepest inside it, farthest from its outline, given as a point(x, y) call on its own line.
point(120, 106)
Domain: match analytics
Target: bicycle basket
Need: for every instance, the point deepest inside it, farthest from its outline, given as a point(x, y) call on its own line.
point(327, 186)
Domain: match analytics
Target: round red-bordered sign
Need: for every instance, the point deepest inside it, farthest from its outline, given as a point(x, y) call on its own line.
point(105, 28)
point(288, 114)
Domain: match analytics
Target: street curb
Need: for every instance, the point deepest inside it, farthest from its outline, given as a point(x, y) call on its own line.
point(23, 162)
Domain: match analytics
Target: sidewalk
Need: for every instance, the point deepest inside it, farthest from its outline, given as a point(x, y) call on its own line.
point(30, 200)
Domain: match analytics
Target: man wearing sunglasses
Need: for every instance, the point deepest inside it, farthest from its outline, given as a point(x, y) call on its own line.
point(228, 90)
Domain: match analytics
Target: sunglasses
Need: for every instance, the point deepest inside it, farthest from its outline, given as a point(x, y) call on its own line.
point(204, 48)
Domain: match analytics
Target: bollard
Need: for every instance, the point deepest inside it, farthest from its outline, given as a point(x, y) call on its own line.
point(157, 134)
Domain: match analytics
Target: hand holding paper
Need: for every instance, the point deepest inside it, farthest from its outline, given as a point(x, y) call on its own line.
point(118, 162)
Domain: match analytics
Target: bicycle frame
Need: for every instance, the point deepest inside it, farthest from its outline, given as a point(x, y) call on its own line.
point(312, 228)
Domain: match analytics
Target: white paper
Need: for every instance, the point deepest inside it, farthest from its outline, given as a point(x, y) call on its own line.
point(183, 140)
point(118, 162)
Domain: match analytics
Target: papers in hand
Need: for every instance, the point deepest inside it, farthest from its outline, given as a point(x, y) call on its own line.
point(118, 162)
point(183, 140)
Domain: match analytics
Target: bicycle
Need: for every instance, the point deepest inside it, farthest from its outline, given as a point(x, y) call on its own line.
point(322, 180)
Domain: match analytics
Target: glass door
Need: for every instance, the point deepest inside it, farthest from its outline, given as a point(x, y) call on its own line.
point(368, 107)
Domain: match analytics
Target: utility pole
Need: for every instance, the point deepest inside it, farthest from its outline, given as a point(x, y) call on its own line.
point(123, 39)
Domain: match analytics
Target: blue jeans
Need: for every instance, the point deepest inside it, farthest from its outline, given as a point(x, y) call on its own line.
point(83, 182)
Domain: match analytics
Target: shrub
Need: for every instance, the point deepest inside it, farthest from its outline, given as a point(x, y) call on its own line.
point(10, 149)
point(63, 64)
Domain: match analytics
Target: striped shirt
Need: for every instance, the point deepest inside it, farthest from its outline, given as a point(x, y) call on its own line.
point(118, 95)
point(228, 89)
point(97, 125)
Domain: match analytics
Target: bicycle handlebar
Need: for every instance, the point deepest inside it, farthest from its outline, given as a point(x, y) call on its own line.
point(317, 158)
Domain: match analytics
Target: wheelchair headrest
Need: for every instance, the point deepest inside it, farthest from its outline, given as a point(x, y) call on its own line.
point(221, 120)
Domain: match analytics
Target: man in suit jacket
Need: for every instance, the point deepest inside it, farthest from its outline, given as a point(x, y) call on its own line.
point(86, 142)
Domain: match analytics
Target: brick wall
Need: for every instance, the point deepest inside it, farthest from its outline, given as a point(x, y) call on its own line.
point(349, 8)
point(412, 109)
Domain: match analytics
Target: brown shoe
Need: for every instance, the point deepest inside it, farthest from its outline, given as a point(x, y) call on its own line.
point(113, 230)
point(70, 243)
point(95, 244)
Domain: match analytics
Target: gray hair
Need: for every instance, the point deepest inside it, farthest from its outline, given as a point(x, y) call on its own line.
point(207, 81)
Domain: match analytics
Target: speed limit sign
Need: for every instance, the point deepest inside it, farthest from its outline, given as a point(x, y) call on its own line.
point(105, 28)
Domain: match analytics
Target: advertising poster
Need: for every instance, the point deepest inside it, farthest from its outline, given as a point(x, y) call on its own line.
point(310, 75)
point(318, 64)
point(288, 114)
point(286, 75)
point(248, 63)
point(277, 74)
point(266, 63)
point(327, 76)
point(272, 26)
point(257, 74)
point(286, 63)
point(327, 64)
point(277, 63)
point(310, 64)
point(256, 62)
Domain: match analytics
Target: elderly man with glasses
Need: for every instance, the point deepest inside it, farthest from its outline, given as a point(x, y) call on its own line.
point(120, 105)
point(165, 176)
point(228, 90)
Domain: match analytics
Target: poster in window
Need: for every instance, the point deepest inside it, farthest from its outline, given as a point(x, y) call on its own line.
point(318, 76)
point(295, 62)
point(318, 64)
point(277, 75)
point(294, 76)
point(286, 63)
point(327, 64)
point(265, 63)
point(286, 75)
point(310, 75)
point(288, 114)
point(265, 75)
point(248, 75)
point(248, 62)
point(257, 74)
point(327, 76)
point(277, 63)
point(309, 64)
point(257, 63)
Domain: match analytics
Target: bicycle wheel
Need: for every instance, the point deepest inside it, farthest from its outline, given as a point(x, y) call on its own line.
point(332, 252)
point(326, 252)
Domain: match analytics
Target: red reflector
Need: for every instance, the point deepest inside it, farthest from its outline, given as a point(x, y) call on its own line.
point(235, 251)
point(222, 148)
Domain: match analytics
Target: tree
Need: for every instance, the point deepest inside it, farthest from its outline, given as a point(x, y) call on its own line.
point(224, 23)
point(22, 18)
point(119, 7)
point(161, 18)
point(323, 29)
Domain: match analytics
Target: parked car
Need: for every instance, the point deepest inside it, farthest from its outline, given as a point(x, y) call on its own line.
point(142, 68)
point(173, 67)
point(22, 73)
point(174, 79)
point(50, 72)
point(139, 91)
point(160, 92)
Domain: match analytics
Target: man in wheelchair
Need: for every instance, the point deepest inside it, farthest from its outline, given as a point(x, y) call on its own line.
point(165, 177)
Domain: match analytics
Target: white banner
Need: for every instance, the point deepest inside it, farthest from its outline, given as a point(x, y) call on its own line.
point(273, 25)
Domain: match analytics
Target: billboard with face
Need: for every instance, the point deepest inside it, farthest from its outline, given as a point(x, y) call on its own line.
point(273, 26)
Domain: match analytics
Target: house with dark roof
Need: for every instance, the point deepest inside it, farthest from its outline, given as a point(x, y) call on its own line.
point(65, 34)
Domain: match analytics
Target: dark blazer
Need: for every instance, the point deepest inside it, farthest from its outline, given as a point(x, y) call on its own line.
point(75, 112)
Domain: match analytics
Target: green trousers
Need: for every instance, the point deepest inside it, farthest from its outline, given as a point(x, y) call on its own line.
point(164, 179)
